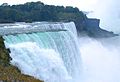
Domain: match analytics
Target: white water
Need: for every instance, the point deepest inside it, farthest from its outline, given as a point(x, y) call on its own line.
point(48, 56)
point(44, 64)
point(20, 28)
point(55, 57)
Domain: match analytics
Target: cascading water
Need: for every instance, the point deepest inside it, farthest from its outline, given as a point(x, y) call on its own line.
point(52, 54)
point(49, 56)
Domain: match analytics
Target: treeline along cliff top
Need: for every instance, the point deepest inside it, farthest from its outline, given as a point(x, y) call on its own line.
point(37, 11)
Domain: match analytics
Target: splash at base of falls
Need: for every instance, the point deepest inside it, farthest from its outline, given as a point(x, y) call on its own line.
point(101, 59)
point(49, 56)
point(55, 56)
point(40, 63)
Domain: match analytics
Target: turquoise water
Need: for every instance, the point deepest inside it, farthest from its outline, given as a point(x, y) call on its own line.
point(49, 56)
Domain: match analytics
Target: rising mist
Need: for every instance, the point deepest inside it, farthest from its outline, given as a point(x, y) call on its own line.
point(101, 59)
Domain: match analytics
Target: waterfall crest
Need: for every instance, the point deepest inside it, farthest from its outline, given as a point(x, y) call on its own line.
point(49, 56)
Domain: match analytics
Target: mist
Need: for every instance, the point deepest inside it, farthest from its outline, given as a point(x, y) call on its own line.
point(101, 59)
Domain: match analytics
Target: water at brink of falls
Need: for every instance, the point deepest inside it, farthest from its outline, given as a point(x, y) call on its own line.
point(51, 56)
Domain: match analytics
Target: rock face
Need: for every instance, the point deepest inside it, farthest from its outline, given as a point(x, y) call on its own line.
point(4, 54)
point(91, 28)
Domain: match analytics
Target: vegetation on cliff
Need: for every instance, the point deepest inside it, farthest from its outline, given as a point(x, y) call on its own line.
point(38, 11)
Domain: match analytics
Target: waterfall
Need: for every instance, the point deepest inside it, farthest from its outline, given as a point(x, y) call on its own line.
point(52, 56)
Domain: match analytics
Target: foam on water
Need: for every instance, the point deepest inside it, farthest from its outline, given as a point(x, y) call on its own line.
point(44, 64)
point(55, 56)
point(48, 56)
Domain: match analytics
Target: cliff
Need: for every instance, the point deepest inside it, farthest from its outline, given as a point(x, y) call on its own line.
point(38, 11)
point(90, 27)
point(9, 73)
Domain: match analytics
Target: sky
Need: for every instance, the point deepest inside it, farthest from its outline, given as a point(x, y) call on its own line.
point(108, 11)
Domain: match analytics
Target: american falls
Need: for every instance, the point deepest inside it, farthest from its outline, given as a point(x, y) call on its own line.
point(46, 51)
